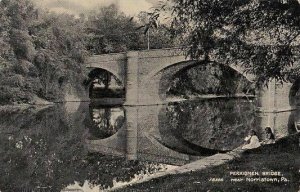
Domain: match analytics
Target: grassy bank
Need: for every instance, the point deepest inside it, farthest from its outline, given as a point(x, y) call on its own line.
point(283, 157)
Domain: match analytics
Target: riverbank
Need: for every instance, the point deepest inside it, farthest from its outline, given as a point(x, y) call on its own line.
point(283, 157)
point(21, 107)
point(37, 104)
point(41, 103)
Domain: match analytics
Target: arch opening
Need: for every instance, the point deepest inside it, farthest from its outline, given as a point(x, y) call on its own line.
point(194, 78)
point(104, 84)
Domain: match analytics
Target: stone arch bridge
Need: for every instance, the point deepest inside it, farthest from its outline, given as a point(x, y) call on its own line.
point(146, 75)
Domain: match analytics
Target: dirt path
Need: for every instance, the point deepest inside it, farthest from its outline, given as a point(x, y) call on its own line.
point(208, 162)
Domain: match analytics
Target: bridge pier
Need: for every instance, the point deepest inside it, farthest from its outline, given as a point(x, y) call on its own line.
point(278, 122)
point(131, 133)
point(141, 91)
point(274, 98)
point(274, 105)
point(132, 75)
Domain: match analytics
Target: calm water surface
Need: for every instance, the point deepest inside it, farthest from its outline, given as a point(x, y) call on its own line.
point(87, 147)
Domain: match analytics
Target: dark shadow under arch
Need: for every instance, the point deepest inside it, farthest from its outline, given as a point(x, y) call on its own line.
point(105, 77)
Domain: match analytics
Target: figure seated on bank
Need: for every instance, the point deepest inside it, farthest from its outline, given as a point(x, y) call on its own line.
point(252, 141)
point(270, 138)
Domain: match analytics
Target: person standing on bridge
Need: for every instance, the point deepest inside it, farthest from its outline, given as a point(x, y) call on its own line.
point(252, 141)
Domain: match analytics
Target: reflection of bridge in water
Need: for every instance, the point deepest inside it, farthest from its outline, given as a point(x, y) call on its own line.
point(147, 136)
point(139, 139)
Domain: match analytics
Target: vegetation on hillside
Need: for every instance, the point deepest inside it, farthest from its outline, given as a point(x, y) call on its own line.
point(41, 53)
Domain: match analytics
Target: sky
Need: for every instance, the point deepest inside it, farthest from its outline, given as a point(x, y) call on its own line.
point(129, 7)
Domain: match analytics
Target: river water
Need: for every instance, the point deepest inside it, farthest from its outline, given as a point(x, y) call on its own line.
point(85, 147)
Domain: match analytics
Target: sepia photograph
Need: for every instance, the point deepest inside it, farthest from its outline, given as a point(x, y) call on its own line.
point(150, 95)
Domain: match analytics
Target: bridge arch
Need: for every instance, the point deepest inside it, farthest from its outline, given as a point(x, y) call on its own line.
point(93, 71)
point(104, 76)
point(114, 63)
point(160, 78)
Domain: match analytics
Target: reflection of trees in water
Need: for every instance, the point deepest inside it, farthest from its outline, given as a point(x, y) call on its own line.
point(42, 147)
point(46, 149)
point(216, 124)
point(117, 169)
point(107, 121)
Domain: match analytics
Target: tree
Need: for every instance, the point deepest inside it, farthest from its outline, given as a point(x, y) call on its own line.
point(40, 53)
point(262, 36)
point(110, 30)
point(60, 46)
point(155, 35)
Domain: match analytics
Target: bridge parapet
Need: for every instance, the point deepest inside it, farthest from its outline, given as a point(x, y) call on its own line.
point(159, 53)
point(99, 60)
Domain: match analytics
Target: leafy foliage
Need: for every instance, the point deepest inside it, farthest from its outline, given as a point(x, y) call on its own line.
point(159, 34)
point(261, 36)
point(40, 53)
point(110, 30)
